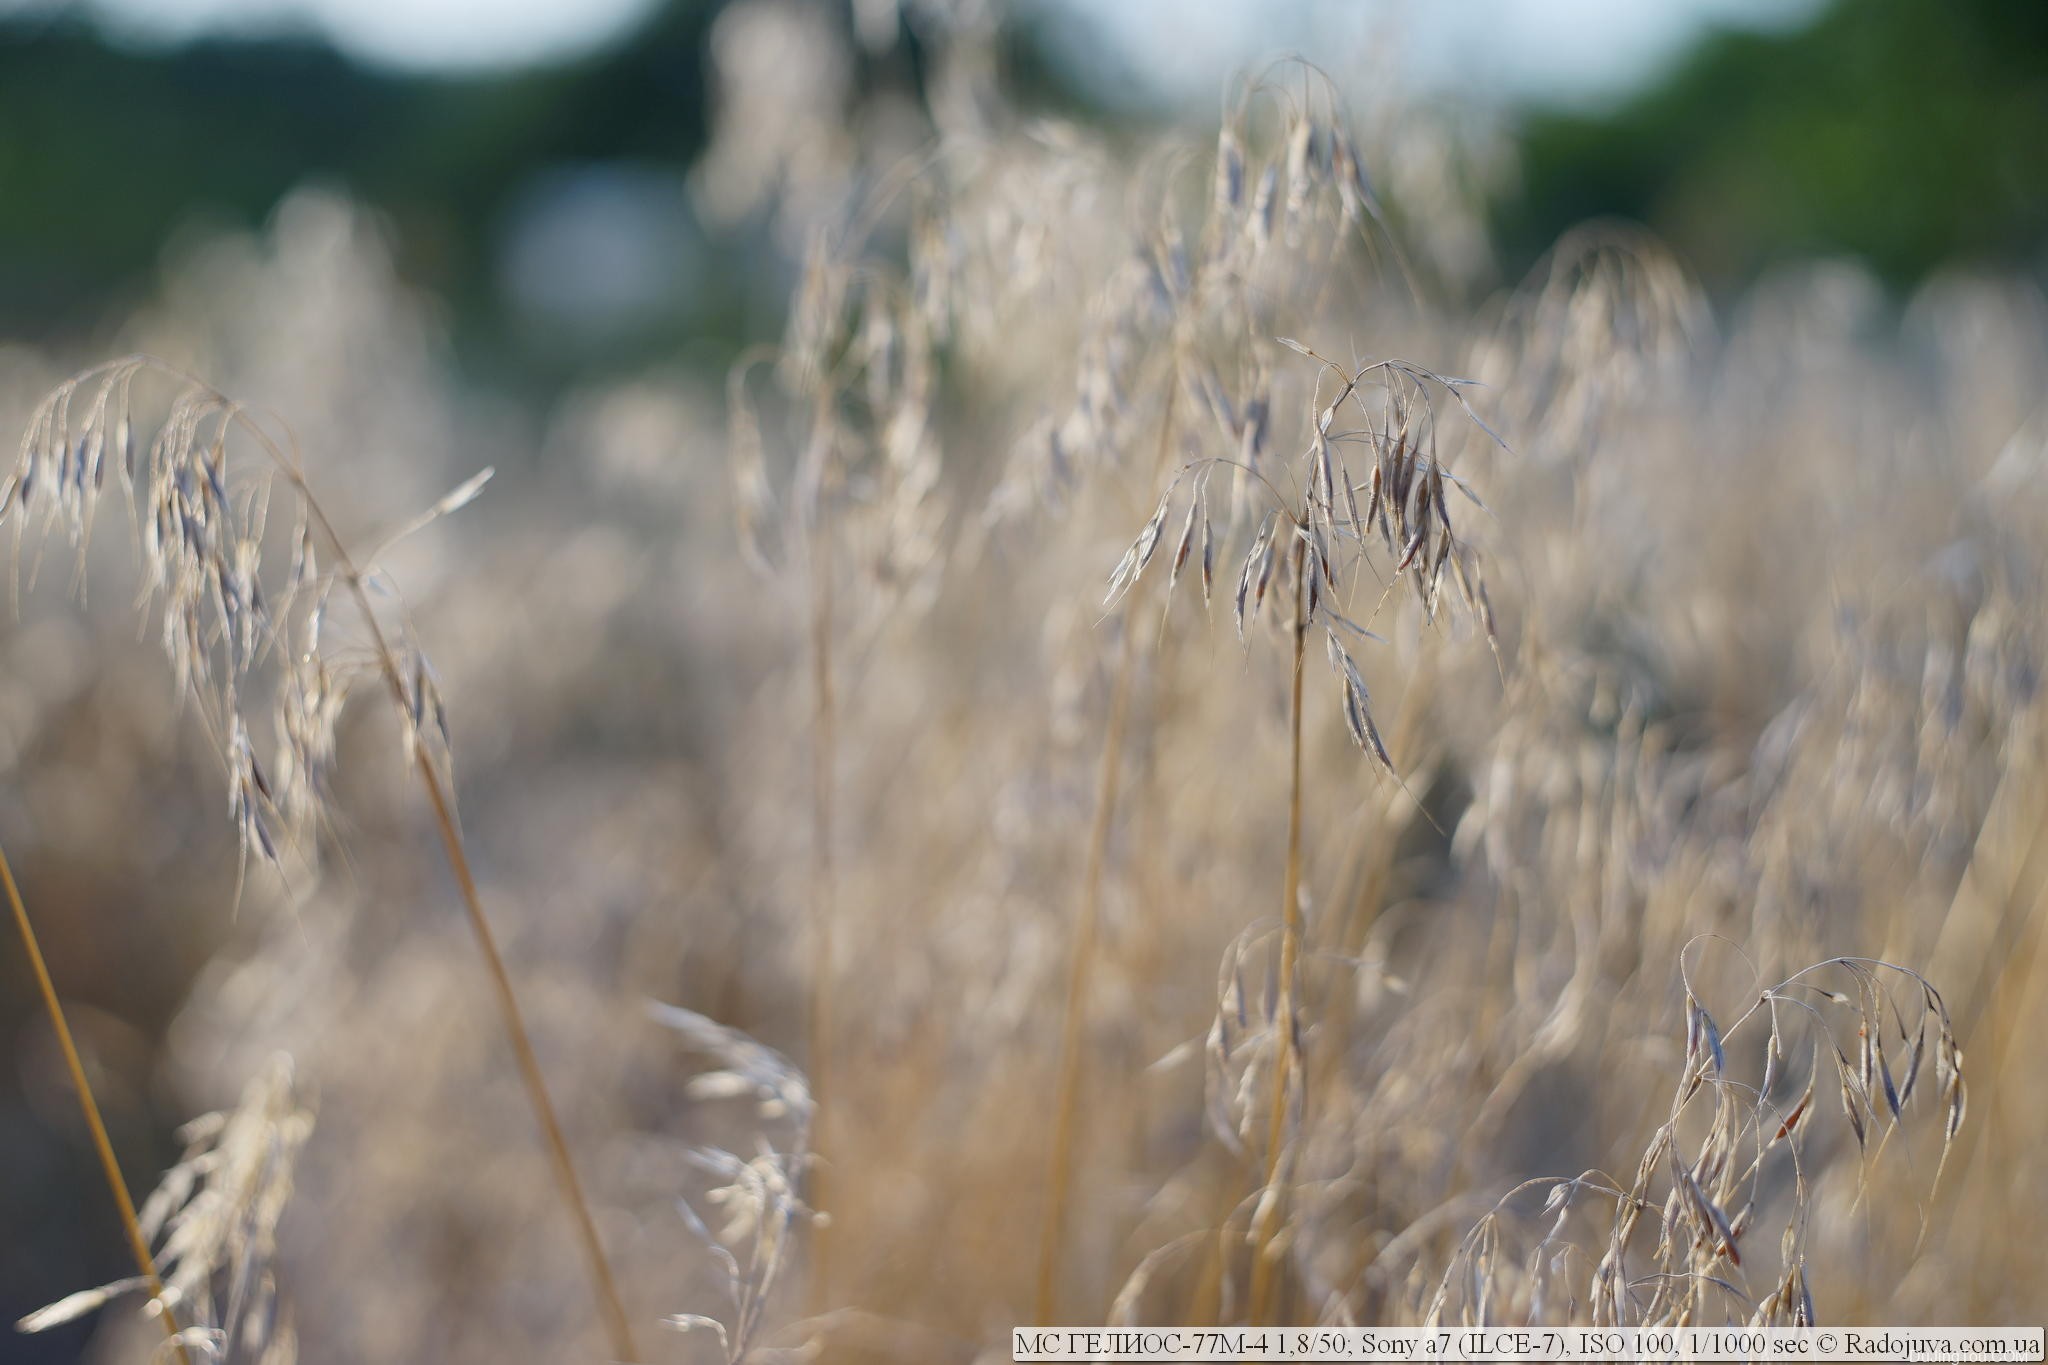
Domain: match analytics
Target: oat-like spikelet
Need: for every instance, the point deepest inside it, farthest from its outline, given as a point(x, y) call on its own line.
point(858, 378)
point(1607, 317)
point(758, 1196)
point(242, 614)
point(1314, 543)
point(1324, 532)
point(242, 607)
point(1732, 1156)
point(213, 1218)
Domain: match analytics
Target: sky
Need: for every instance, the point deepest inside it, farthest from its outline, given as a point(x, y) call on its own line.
point(1568, 51)
point(406, 35)
point(1577, 51)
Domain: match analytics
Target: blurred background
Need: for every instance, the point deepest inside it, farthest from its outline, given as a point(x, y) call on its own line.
point(437, 234)
point(554, 177)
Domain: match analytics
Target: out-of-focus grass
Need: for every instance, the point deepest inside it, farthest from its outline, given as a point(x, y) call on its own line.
point(1768, 695)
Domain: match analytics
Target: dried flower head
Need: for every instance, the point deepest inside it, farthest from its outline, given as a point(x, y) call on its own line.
point(213, 1219)
point(1317, 535)
point(243, 602)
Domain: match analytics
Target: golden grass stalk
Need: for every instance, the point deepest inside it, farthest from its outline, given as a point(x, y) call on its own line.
point(1081, 963)
point(1265, 1256)
point(1080, 967)
point(819, 1023)
point(203, 551)
point(604, 1285)
point(138, 1245)
point(617, 1327)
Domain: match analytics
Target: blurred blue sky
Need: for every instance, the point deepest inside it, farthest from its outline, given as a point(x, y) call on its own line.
point(1571, 50)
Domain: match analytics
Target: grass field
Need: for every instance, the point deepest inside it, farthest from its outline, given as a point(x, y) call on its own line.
point(1145, 763)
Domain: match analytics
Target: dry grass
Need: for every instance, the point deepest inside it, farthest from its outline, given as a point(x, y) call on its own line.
point(1672, 815)
point(202, 530)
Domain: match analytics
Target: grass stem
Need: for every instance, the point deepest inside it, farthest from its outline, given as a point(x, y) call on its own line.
point(1081, 964)
point(138, 1245)
point(616, 1325)
point(819, 1023)
point(1265, 1256)
point(604, 1284)
point(1080, 967)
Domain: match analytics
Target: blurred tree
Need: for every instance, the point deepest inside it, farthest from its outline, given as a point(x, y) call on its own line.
point(1908, 132)
point(104, 151)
